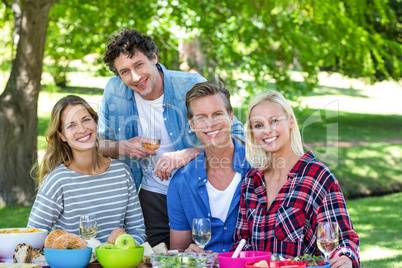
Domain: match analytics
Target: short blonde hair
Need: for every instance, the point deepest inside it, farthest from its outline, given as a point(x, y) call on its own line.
point(256, 156)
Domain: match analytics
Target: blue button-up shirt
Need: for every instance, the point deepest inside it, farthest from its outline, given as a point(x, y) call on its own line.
point(118, 114)
point(187, 198)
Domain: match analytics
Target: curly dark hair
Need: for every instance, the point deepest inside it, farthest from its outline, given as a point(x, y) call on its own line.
point(129, 41)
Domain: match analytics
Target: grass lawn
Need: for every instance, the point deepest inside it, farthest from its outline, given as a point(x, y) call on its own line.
point(375, 219)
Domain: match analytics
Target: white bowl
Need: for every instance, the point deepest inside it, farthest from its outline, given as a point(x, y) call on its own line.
point(8, 242)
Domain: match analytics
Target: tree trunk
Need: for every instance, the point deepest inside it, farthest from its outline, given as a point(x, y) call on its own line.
point(17, 12)
point(18, 107)
point(191, 57)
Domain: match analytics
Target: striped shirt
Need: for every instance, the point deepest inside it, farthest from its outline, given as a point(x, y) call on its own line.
point(111, 196)
point(289, 226)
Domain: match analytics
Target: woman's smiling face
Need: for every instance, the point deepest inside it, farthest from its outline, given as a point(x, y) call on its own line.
point(78, 128)
point(271, 127)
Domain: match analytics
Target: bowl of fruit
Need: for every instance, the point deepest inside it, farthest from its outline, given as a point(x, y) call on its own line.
point(121, 251)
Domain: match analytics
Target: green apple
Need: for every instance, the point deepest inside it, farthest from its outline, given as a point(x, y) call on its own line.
point(115, 234)
point(125, 241)
point(107, 246)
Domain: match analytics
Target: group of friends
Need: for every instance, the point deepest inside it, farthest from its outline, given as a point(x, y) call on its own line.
point(254, 183)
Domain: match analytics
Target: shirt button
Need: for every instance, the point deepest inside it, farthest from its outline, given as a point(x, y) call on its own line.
point(171, 134)
point(164, 118)
point(118, 129)
point(189, 131)
point(209, 215)
point(223, 250)
point(205, 180)
point(224, 228)
point(199, 178)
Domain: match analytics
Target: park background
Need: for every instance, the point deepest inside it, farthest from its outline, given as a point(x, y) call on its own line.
point(339, 62)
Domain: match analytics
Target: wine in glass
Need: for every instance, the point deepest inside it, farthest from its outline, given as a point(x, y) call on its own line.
point(201, 231)
point(88, 226)
point(327, 237)
point(154, 135)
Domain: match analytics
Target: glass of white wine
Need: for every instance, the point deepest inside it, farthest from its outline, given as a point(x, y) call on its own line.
point(88, 226)
point(201, 231)
point(327, 237)
point(154, 135)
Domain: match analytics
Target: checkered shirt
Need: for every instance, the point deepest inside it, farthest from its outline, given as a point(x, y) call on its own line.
point(289, 226)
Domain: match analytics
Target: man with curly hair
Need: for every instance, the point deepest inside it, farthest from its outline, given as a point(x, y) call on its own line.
point(141, 97)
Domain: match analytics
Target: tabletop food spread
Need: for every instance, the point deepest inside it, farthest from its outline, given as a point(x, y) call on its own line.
point(35, 248)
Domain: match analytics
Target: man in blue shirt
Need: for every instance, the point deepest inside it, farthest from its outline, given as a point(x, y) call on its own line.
point(144, 96)
point(209, 186)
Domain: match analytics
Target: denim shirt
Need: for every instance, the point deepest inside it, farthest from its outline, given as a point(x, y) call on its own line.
point(187, 198)
point(118, 114)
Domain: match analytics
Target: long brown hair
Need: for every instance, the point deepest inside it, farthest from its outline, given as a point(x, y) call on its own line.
point(57, 151)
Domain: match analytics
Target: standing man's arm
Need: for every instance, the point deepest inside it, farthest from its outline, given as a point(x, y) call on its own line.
point(174, 160)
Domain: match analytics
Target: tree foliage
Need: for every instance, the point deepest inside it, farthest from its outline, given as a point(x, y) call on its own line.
point(246, 43)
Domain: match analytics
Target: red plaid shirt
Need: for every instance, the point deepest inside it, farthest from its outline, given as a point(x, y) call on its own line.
point(289, 226)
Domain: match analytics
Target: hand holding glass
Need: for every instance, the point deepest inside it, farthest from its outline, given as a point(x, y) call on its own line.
point(88, 226)
point(327, 237)
point(154, 135)
point(201, 231)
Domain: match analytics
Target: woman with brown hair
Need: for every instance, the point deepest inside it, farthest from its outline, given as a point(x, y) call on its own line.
point(74, 179)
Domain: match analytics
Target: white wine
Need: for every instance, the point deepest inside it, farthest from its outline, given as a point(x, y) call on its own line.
point(88, 233)
point(201, 239)
point(327, 246)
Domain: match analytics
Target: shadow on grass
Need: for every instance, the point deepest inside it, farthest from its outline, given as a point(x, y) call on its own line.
point(81, 90)
point(386, 263)
point(365, 171)
point(376, 222)
point(328, 91)
point(351, 126)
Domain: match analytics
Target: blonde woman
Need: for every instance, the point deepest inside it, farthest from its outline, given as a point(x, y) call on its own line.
point(288, 192)
point(75, 180)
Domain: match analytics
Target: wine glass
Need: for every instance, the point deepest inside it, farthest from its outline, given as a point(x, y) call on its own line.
point(88, 226)
point(201, 231)
point(327, 237)
point(154, 135)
